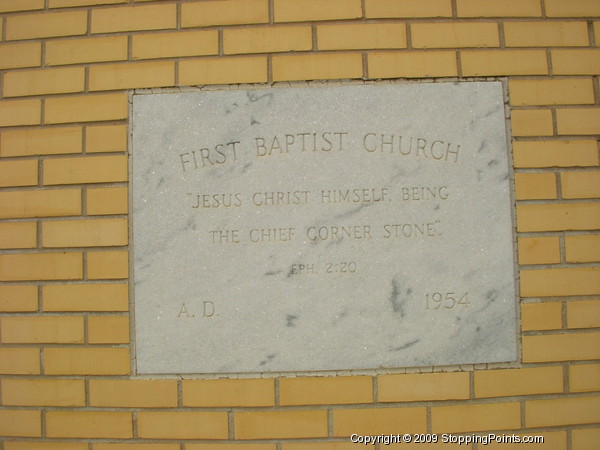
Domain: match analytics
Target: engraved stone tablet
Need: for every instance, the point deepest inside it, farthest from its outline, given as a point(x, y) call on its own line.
point(322, 228)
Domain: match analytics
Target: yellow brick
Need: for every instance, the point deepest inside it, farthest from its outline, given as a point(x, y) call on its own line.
point(514, 382)
point(473, 417)
point(578, 121)
point(89, 169)
point(106, 138)
point(452, 35)
point(539, 250)
point(45, 81)
point(19, 361)
point(133, 393)
point(584, 314)
point(20, 112)
point(535, 186)
point(548, 34)
point(560, 282)
point(313, 445)
point(495, 8)
point(183, 425)
point(35, 445)
point(107, 265)
point(294, 11)
point(541, 316)
point(597, 33)
point(16, 298)
point(373, 421)
point(576, 62)
point(224, 392)
point(73, 3)
point(503, 62)
point(562, 411)
point(223, 70)
point(186, 43)
point(423, 387)
point(41, 141)
point(107, 200)
point(317, 66)
point(553, 440)
point(87, 108)
point(134, 18)
point(85, 233)
point(18, 173)
point(580, 184)
point(56, 202)
point(41, 266)
point(551, 92)
point(37, 330)
point(20, 422)
point(21, 5)
point(561, 347)
point(107, 77)
point(88, 424)
point(585, 248)
point(18, 235)
point(27, 54)
point(86, 297)
point(267, 39)
point(108, 330)
point(530, 154)
point(558, 217)
point(532, 122)
point(573, 8)
point(361, 35)
point(585, 439)
point(326, 390)
point(86, 50)
point(220, 12)
point(23, 392)
point(412, 64)
point(280, 424)
point(86, 361)
point(138, 447)
point(32, 26)
point(584, 378)
point(408, 8)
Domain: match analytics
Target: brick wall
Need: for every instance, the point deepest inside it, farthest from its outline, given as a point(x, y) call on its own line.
point(65, 68)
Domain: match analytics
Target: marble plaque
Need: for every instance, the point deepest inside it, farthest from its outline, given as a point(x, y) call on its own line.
point(322, 228)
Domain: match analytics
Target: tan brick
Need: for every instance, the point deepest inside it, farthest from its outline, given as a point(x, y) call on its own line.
point(280, 424)
point(412, 64)
point(86, 297)
point(45, 81)
point(138, 447)
point(317, 66)
point(36, 445)
point(503, 62)
point(33, 392)
point(20, 422)
point(541, 316)
point(584, 314)
point(41, 141)
point(106, 138)
point(294, 11)
point(423, 387)
point(546, 34)
point(45, 203)
point(108, 77)
point(580, 184)
point(183, 425)
point(560, 282)
point(585, 439)
point(19, 361)
point(17, 298)
point(21, 5)
point(134, 18)
point(474, 417)
point(551, 92)
point(539, 250)
point(578, 121)
point(108, 329)
point(584, 377)
point(89, 169)
point(515, 382)
point(26, 54)
point(39, 329)
point(88, 424)
point(562, 411)
point(86, 361)
point(584, 248)
point(185, 43)
point(453, 35)
point(576, 62)
point(86, 50)
point(41, 266)
point(20, 112)
point(18, 173)
point(73, 3)
point(223, 70)
point(374, 421)
point(530, 154)
point(85, 233)
point(558, 217)
point(495, 8)
point(574, 8)
point(535, 186)
point(219, 12)
point(361, 35)
point(224, 392)
point(133, 393)
point(110, 200)
point(408, 8)
point(561, 347)
point(267, 39)
point(87, 108)
point(532, 122)
point(32, 26)
point(325, 390)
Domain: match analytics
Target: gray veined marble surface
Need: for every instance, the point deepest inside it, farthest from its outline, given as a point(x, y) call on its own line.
point(322, 228)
